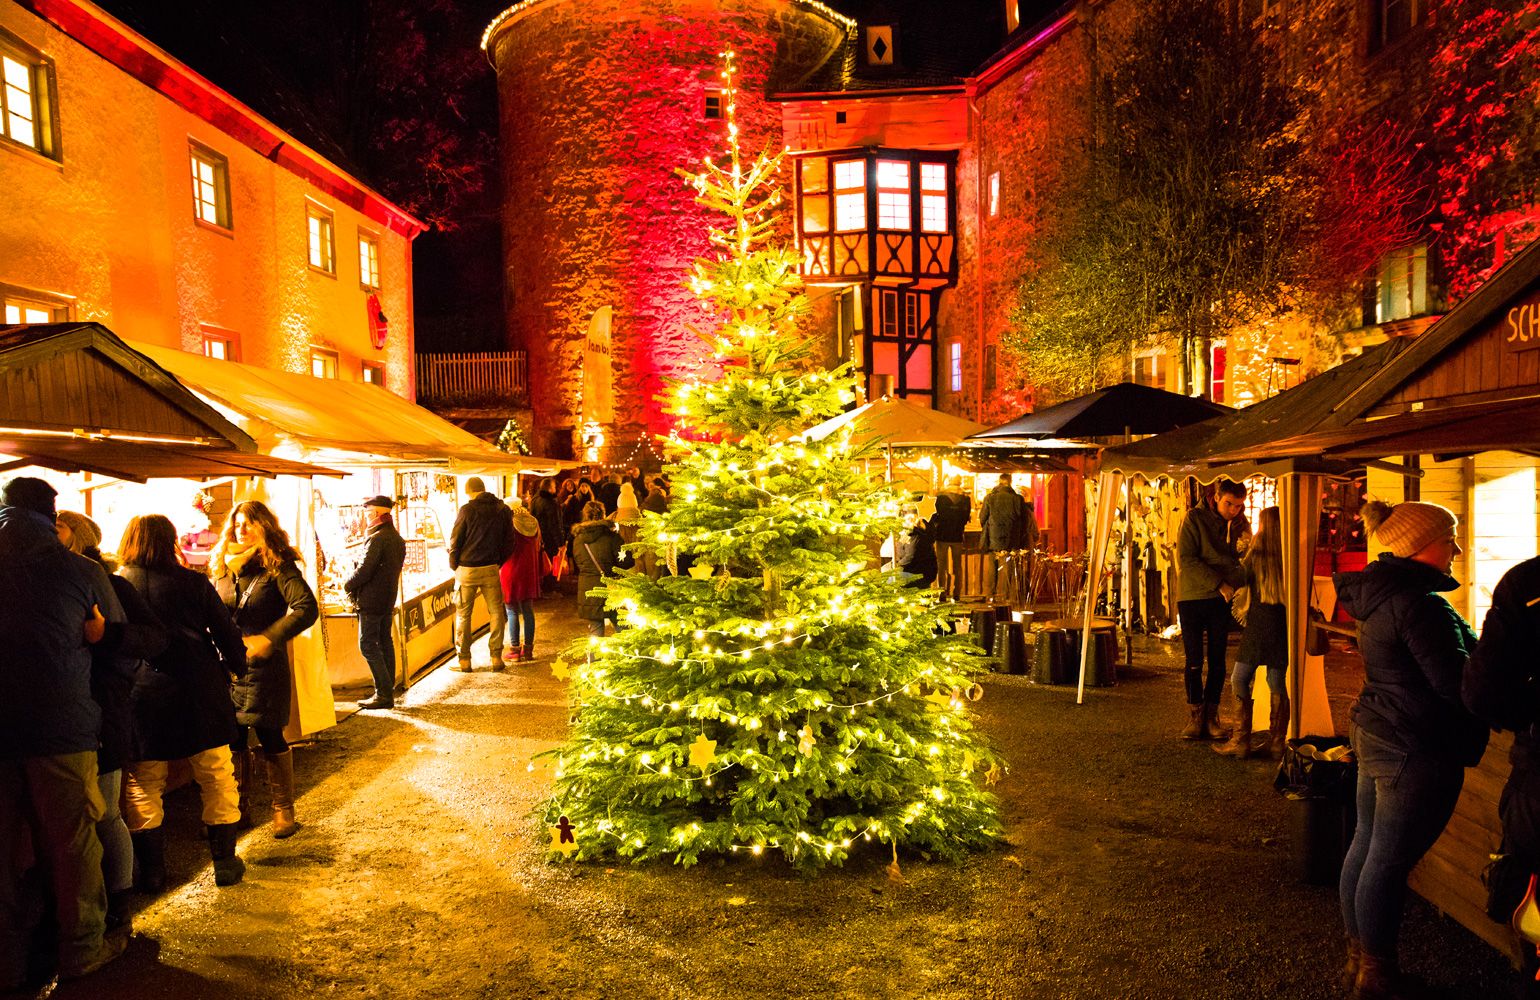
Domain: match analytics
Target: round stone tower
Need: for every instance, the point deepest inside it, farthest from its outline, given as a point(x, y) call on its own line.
point(600, 102)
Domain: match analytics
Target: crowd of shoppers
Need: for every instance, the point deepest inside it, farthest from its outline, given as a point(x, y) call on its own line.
point(106, 679)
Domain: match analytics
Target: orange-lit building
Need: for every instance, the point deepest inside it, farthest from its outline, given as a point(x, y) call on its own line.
point(142, 196)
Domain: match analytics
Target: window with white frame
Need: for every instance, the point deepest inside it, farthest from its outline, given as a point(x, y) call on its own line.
point(368, 261)
point(994, 194)
point(849, 195)
point(25, 92)
point(1402, 284)
point(25, 308)
point(222, 345)
point(814, 172)
point(210, 186)
point(955, 359)
point(933, 197)
point(323, 364)
point(322, 239)
point(1150, 368)
point(893, 194)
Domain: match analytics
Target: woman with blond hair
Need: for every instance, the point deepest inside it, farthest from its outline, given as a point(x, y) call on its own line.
point(181, 701)
point(255, 570)
point(1410, 730)
point(1265, 640)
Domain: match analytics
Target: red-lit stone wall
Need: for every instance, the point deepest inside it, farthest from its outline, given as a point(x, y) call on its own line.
point(600, 102)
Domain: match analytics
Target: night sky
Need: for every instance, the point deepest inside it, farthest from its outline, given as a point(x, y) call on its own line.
point(399, 94)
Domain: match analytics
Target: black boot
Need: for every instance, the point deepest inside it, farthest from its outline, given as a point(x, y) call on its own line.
point(228, 868)
point(150, 860)
point(120, 913)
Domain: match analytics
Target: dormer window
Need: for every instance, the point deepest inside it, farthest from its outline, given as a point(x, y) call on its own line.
point(893, 195)
point(881, 212)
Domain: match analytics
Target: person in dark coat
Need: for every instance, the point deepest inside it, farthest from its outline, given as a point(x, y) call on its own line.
point(596, 551)
point(999, 529)
point(1501, 686)
point(256, 572)
point(572, 507)
point(374, 587)
point(1209, 545)
point(921, 538)
point(115, 662)
point(1410, 731)
point(547, 514)
point(953, 510)
point(181, 702)
point(49, 725)
point(479, 544)
point(608, 492)
point(1265, 639)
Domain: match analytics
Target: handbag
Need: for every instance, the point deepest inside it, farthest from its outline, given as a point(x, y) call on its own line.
point(545, 564)
point(559, 563)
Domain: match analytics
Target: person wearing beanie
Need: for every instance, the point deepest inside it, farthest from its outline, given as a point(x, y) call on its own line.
point(479, 543)
point(50, 611)
point(520, 576)
point(1410, 730)
point(373, 588)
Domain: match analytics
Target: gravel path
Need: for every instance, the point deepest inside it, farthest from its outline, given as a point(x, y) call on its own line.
point(1136, 865)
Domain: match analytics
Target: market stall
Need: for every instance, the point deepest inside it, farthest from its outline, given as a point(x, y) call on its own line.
point(1461, 402)
point(382, 444)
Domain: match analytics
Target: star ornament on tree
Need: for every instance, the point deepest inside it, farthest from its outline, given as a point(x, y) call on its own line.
point(925, 509)
point(703, 752)
point(559, 669)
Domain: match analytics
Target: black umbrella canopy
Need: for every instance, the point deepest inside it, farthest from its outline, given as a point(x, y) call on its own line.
point(1123, 408)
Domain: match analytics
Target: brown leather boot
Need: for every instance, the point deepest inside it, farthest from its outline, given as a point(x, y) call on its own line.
point(1216, 728)
point(1378, 978)
point(280, 778)
point(1194, 730)
point(1239, 744)
point(1278, 725)
point(245, 773)
point(1355, 953)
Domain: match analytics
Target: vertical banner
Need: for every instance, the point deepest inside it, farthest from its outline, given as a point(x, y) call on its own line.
point(598, 372)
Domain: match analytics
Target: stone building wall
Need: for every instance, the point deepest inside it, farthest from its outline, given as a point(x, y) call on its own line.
point(600, 101)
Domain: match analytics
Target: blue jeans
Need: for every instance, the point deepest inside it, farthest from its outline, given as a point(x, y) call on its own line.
point(1245, 674)
point(1404, 801)
point(521, 613)
point(378, 645)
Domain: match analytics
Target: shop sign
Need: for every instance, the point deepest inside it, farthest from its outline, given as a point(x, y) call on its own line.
point(1520, 328)
point(428, 609)
point(598, 372)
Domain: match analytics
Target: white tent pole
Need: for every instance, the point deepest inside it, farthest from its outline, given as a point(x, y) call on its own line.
point(1106, 507)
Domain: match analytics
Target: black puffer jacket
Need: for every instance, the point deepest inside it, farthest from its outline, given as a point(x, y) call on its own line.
point(182, 696)
point(483, 533)
point(279, 606)
point(1414, 646)
point(1502, 678)
point(596, 550)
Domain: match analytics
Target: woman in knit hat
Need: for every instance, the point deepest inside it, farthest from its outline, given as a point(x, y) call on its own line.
point(520, 575)
point(1410, 731)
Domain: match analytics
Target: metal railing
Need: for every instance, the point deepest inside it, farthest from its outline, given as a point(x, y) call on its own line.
point(484, 376)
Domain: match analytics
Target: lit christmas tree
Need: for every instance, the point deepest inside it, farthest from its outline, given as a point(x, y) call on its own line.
point(783, 695)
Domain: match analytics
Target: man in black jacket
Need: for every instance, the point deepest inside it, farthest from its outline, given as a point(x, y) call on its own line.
point(954, 508)
point(374, 588)
point(49, 725)
point(479, 543)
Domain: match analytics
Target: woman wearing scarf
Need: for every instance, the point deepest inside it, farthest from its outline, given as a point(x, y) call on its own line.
point(181, 702)
point(256, 572)
point(520, 576)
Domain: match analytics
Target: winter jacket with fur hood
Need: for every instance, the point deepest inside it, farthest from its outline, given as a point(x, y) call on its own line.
point(1414, 647)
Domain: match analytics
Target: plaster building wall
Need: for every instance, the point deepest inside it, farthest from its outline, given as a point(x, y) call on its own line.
point(109, 226)
point(599, 103)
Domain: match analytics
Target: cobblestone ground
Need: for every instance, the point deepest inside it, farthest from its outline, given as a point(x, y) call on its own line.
point(1136, 865)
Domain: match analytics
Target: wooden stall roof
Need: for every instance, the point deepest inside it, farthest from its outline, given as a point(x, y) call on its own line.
point(75, 398)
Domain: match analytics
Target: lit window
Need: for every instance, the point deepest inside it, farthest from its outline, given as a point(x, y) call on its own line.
point(211, 187)
point(323, 364)
point(893, 195)
point(1216, 372)
point(956, 359)
point(1149, 368)
point(933, 194)
point(368, 260)
point(374, 373)
point(1012, 15)
point(323, 243)
point(994, 194)
point(24, 93)
point(220, 344)
point(850, 195)
point(19, 310)
point(1402, 284)
point(814, 172)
